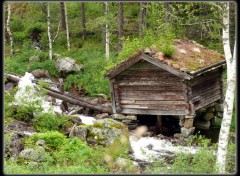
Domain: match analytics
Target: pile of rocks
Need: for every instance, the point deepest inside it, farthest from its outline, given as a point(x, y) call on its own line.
point(209, 116)
point(130, 120)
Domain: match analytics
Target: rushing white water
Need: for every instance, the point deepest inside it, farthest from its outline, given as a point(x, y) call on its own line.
point(150, 148)
point(28, 94)
point(86, 119)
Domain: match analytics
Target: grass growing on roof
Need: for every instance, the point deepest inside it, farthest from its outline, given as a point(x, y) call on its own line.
point(162, 41)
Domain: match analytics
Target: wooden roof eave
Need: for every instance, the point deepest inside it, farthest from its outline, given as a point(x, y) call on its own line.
point(122, 66)
point(208, 68)
point(170, 69)
point(129, 62)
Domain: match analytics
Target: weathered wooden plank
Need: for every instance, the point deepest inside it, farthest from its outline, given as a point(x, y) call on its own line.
point(151, 93)
point(150, 88)
point(144, 65)
point(143, 92)
point(149, 102)
point(205, 75)
point(208, 93)
point(206, 85)
point(207, 101)
point(152, 112)
point(163, 97)
point(166, 67)
point(202, 91)
point(155, 106)
point(204, 79)
point(112, 96)
point(143, 83)
point(150, 78)
point(147, 72)
point(123, 66)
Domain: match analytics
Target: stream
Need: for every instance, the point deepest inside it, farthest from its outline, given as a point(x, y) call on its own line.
point(144, 149)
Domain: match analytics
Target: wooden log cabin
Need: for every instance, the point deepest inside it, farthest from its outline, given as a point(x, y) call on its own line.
point(153, 84)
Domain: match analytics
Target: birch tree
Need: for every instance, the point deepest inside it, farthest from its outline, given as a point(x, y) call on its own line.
point(84, 33)
point(67, 29)
point(230, 92)
point(120, 25)
point(9, 30)
point(63, 20)
point(106, 33)
point(49, 31)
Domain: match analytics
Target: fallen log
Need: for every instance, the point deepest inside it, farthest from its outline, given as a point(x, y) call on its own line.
point(70, 99)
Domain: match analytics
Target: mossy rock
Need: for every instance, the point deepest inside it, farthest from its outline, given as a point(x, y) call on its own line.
point(13, 144)
point(103, 132)
point(35, 154)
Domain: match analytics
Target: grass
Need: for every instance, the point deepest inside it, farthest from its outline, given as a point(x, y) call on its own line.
point(66, 155)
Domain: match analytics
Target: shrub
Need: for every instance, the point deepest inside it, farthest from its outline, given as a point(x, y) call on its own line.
point(53, 139)
point(45, 65)
point(51, 122)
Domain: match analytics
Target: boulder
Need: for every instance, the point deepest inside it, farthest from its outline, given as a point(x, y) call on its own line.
point(67, 65)
point(186, 132)
point(219, 114)
point(131, 117)
point(13, 144)
point(202, 124)
point(118, 116)
point(102, 132)
point(40, 73)
point(102, 116)
point(106, 131)
point(34, 59)
point(208, 116)
point(210, 109)
point(38, 154)
point(219, 107)
point(81, 131)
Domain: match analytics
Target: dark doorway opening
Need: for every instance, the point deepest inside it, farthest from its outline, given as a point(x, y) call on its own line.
point(165, 125)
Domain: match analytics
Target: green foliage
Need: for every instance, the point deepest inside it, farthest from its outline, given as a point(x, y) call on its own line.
point(51, 122)
point(199, 140)
point(37, 27)
point(8, 99)
point(45, 65)
point(24, 112)
point(53, 139)
point(91, 77)
point(67, 155)
point(162, 41)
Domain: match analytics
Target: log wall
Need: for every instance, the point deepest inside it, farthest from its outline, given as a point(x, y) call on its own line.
point(147, 89)
point(207, 88)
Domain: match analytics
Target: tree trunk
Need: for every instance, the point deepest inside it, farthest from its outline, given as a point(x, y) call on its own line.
point(63, 21)
point(49, 31)
point(230, 93)
point(143, 14)
point(67, 29)
point(67, 98)
point(9, 30)
point(167, 11)
point(107, 33)
point(120, 25)
point(84, 33)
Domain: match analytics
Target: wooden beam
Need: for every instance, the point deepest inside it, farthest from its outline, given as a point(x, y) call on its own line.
point(67, 98)
point(112, 96)
point(152, 112)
